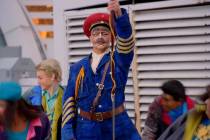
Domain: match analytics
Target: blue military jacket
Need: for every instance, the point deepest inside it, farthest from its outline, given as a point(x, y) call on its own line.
point(87, 89)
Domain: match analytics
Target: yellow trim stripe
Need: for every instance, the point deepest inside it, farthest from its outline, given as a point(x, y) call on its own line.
point(125, 48)
point(125, 40)
point(67, 101)
point(125, 43)
point(67, 119)
point(67, 106)
point(80, 77)
point(70, 111)
point(125, 51)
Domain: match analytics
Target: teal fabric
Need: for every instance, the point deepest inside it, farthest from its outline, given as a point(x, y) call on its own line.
point(50, 102)
point(175, 113)
point(18, 135)
point(10, 91)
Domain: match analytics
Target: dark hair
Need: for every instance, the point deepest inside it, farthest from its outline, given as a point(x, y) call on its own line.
point(174, 88)
point(206, 95)
point(23, 109)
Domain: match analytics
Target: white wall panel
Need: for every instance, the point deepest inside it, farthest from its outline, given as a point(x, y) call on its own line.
point(173, 23)
point(173, 32)
point(173, 40)
point(173, 13)
point(174, 66)
point(166, 49)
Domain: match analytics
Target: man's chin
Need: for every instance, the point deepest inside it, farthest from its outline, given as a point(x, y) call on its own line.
point(101, 45)
point(100, 48)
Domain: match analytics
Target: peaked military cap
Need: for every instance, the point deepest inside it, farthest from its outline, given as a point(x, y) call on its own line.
point(95, 20)
point(10, 91)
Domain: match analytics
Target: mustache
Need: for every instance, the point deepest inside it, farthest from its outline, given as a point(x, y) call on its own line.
point(100, 40)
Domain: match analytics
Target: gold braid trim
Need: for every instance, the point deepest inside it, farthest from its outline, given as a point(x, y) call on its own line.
point(67, 101)
point(70, 111)
point(67, 119)
point(125, 48)
point(80, 77)
point(125, 40)
point(67, 106)
point(127, 43)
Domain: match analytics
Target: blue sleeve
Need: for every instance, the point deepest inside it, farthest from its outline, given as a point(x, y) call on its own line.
point(37, 98)
point(124, 31)
point(123, 26)
point(34, 96)
point(69, 108)
point(125, 41)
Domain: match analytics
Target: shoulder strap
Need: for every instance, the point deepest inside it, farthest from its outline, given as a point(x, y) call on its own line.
point(100, 88)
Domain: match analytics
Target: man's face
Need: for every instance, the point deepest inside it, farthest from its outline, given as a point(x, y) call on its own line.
point(168, 102)
point(100, 38)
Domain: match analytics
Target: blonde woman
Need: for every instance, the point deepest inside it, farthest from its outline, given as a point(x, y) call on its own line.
point(49, 77)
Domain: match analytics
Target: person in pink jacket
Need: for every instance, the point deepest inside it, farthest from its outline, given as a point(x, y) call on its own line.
point(19, 120)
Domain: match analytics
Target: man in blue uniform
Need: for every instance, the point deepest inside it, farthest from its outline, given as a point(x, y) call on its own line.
point(84, 116)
